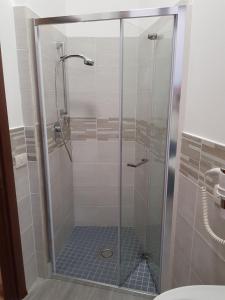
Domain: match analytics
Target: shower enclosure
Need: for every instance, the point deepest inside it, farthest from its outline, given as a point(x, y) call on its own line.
point(109, 90)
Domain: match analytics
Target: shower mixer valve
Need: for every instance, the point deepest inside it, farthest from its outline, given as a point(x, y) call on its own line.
point(57, 132)
point(57, 127)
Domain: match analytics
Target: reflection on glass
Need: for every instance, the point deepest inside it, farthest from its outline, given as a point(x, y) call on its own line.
point(147, 56)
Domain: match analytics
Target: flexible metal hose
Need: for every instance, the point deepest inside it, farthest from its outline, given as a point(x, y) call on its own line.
point(58, 114)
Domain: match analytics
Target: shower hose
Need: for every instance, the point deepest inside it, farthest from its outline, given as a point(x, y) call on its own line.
point(58, 113)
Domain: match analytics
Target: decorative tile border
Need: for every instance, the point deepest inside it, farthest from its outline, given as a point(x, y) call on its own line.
point(101, 129)
point(190, 156)
point(30, 143)
point(107, 129)
point(83, 129)
point(142, 133)
point(152, 137)
point(23, 141)
point(18, 142)
point(199, 155)
point(129, 129)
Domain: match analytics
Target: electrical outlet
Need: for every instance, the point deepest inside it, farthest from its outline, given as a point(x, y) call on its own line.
point(20, 160)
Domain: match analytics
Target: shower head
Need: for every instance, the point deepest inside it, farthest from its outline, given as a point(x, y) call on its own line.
point(87, 61)
point(153, 36)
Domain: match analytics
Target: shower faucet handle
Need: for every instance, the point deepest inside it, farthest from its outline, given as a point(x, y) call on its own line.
point(57, 127)
point(142, 162)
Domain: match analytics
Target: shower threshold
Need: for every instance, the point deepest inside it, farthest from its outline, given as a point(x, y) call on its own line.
point(92, 283)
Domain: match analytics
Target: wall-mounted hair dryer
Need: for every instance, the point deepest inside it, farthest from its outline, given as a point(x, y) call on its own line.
point(219, 193)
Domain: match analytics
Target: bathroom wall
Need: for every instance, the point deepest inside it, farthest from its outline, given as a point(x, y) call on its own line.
point(24, 203)
point(18, 93)
point(29, 176)
point(153, 93)
point(129, 93)
point(154, 59)
point(94, 98)
point(205, 89)
point(43, 8)
point(94, 111)
point(200, 102)
point(84, 7)
point(10, 64)
point(198, 259)
point(60, 166)
point(18, 139)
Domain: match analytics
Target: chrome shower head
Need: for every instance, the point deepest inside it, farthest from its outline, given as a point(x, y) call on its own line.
point(87, 61)
point(153, 36)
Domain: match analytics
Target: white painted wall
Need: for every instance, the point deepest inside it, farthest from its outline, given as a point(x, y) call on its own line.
point(10, 65)
point(86, 6)
point(107, 29)
point(43, 8)
point(205, 98)
point(205, 85)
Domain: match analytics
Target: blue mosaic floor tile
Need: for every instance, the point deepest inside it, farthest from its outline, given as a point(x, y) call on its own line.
point(141, 279)
point(80, 257)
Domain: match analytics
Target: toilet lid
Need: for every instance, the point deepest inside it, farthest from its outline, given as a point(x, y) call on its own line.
point(196, 292)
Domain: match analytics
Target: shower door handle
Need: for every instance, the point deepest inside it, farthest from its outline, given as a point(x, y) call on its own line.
point(142, 162)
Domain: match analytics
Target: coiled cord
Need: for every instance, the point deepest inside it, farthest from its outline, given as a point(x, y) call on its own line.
point(206, 216)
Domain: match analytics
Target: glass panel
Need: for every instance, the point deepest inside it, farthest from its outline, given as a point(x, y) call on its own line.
point(85, 192)
point(56, 119)
point(147, 57)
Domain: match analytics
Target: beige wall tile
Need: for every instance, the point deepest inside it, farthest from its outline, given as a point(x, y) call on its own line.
point(25, 213)
point(187, 195)
point(31, 273)
point(34, 180)
point(184, 237)
point(190, 157)
point(207, 257)
point(209, 267)
point(22, 182)
point(194, 279)
point(97, 216)
point(181, 268)
point(28, 246)
point(95, 196)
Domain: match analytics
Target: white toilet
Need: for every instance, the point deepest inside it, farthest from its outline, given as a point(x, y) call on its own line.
point(195, 292)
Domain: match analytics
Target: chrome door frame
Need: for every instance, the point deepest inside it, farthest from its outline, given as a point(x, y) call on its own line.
point(178, 12)
point(116, 15)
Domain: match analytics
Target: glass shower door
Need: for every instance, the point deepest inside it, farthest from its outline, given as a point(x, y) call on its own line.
point(147, 65)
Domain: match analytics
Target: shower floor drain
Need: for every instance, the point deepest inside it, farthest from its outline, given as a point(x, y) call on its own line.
point(106, 253)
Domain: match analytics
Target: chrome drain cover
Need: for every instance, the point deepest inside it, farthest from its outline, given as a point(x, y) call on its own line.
point(106, 253)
